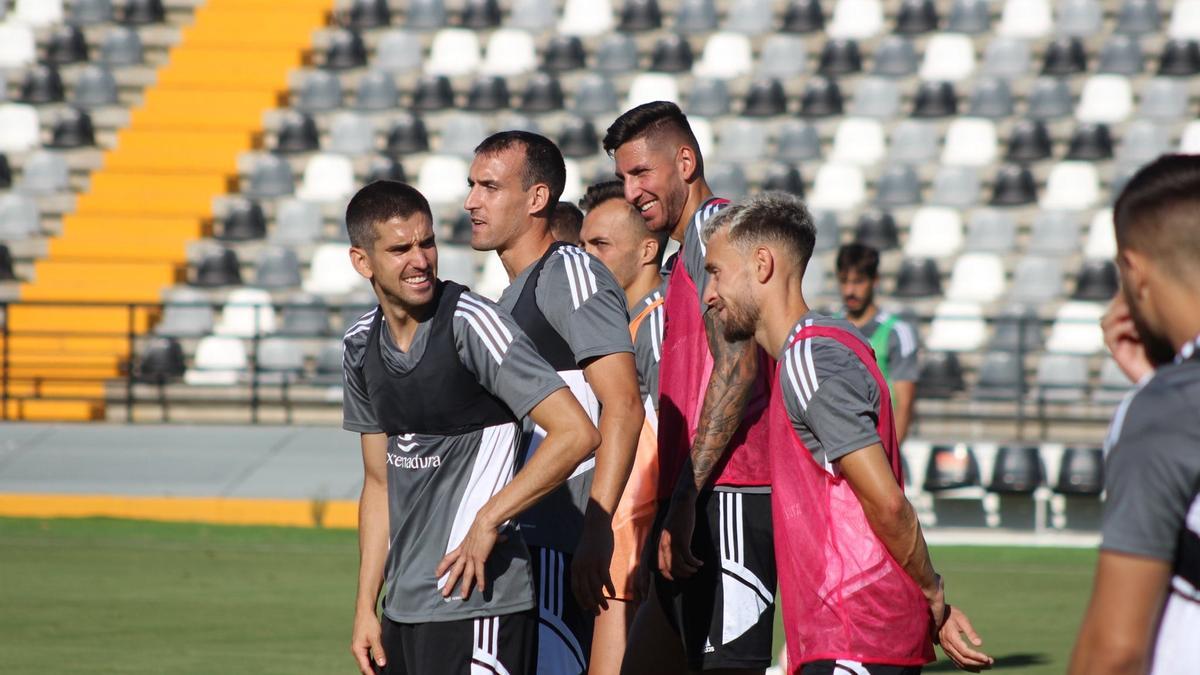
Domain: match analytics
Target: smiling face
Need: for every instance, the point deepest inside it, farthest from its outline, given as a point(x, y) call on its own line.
point(498, 203)
point(402, 261)
point(611, 234)
point(728, 292)
point(655, 183)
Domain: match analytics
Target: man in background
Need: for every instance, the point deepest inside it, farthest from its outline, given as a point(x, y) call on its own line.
point(566, 223)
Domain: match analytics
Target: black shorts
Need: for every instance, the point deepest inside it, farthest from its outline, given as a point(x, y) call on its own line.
point(725, 613)
point(564, 630)
point(493, 644)
point(842, 667)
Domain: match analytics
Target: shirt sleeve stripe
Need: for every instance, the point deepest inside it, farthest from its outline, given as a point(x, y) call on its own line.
point(490, 325)
point(789, 363)
point(583, 265)
point(363, 321)
point(487, 340)
point(573, 279)
point(908, 342)
point(656, 332)
point(489, 312)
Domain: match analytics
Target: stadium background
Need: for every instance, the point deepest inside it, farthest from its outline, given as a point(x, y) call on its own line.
point(174, 278)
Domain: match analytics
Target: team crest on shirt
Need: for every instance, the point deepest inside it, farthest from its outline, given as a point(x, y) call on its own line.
point(405, 447)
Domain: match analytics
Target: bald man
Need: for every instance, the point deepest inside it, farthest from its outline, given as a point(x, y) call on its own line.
point(858, 588)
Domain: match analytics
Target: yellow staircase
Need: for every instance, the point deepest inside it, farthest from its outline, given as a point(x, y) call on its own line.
point(126, 240)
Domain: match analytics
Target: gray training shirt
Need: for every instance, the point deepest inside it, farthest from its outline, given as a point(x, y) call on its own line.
point(902, 347)
point(1152, 507)
point(584, 304)
point(647, 344)
point(437, 483)
point(830, 396)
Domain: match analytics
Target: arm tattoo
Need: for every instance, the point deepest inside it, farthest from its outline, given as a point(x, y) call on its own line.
point(735, 365)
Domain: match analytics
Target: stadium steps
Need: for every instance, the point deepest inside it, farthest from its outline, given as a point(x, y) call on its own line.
point(126, 240)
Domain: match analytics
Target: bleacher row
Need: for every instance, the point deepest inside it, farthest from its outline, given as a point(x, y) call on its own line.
point(979, 144)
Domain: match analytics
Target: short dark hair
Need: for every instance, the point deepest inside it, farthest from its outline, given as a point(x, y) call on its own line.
point(543, 160)
point(379, 202)
point(601, 192)
point(860, 258)
point(768, 216)
point(647, 119)
point(566, 222)
point(1158, 212)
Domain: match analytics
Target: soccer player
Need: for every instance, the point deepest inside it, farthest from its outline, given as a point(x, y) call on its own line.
point(859, 591)
point(1144, 614)
point(615, 233)
point(566, 223)
point(893, 339)
point(436, 379)
point(574, 311)
point(713, 590)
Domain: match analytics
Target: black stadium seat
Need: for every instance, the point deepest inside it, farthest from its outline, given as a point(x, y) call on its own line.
point(951, 467)
point(1017, 470)
point(1081, 472)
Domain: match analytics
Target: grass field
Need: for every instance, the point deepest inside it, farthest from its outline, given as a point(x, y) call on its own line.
point(104, 596)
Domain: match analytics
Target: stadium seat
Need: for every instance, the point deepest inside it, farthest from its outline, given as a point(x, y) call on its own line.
point(1054, 233)
point(1007, 58)
point(941, 375)
point(376, 91)
point(1013, 186)
point(542, 94)
point(578, 138)
point(1029, 142)
point(247, 312)
point(951, 467)
point(617, 53)
point(38, 13)
point(510, 52)
point(91, 12)
point(121, 46)
point(840, 57)
point(187, 313)
point(217, 266)
point(935, 232)
point(1001, 378)
point(1189, 140)
point(914, 142)
point(752, 17)
point(977, 277)
point(935, 99)
point(1017, 470)
point(956, 326)
point(821, 98)
point(72, 129)
point(278, 359)
point(765, 98)
point(586, 18)
point(44, 173)
point(813, 284)
point(858, 141)
point(277, 267)
point(329, 365)
point(242, 220)
point(1079, 18)
point(1180, 58)
point(219, 361)
point(454, 52)
point(707, 98)
point(297, 222)
point(297, 133)
point(1081, 472)
point(918, 278)
point(161, 360)
point(741, 140)
point(304, 315)
point(876, 97)
point(1076, 329)
point(696, 16)
point(726, 56)
point(949, 57)
point(384, 168)
point(1113, 385)
point(798, 141)
point(703, 131)
point(647, 87)
point(782, 57)
point(728, 180)
point(330, 272)
point(95, 88)
point(1071, 186)
point(838, 187)
point(457, 262)
point(1017, 329)
point(829, 230)
point(488, 93)
point(1037, 279)
point(855, 19)
point(1163, 99)
point(1106, 99)
point(319, 91)
point(480, 14)
point(1121, 55)
point(895, 57)
point(898, 185)
point(19, 217)
point(992, 98)
point(1185, 21)
point(1049, 98)
point(916, 17)
point(351, 134)
point(878, 230)
point(425, 15)
point(639, 16)
point(367, 14)
point(1025, 19)
point(41, 84)
point(492, 279)
point(970, 142)
point(1101, 241)
point(345, 50)
point(991, 231)
point(1090, 142)
point(1062, 378)
point(141, 12)
point(534, 16)
point(970, 17)
point(461, 132)
point(803, 16)
point(1143, 142)
point(66, 45)
point(783, 177)
point(595, 95)
point(6, 178)
point(1138, 17)
point(1097, 280)
point(671, 54)
point(327, 178)
point(398, 52)
point(956, 186)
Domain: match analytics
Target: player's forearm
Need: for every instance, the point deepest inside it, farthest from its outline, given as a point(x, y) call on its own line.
point(894, 521)
point(372, 543)
point(735, 366)
point(620, 426)
point(563, 449)
point(903, 403)
point(1094, 655)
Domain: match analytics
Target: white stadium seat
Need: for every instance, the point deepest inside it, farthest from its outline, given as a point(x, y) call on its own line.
point(247, 312)
point(1071, 186)
point(327, 178)
point(1101, 238)
point(977, 277)
point(838, 187)
point(970, 141)
point(1106, 99)
point(1185, 20)
point(1076, 329)
point(647, 87)
point(1025, 19)
point(956, 327)
point(586, 18)
point(19, 129)
point(858, 141)
point(726, 56)
point(331, 272)
point(856, 20)
point(936, 232)
point(510, 52)
point(219, 361)
point(455, 52)
point(443, 179)
point(38, 13)
point(949, 57)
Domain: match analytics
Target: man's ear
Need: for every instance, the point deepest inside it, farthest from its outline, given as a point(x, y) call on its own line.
point(1135, 271)
point(648, 251)
point(763, 260)
point(686, 162)
point(361, 263)
point(539, 199)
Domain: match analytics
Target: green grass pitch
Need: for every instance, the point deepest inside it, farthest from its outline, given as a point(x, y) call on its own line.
point(105, 596)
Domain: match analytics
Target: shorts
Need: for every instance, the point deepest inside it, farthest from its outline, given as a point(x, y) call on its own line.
point(725, 613)
point(843, 667)
point(564, 630)
point(492, 644)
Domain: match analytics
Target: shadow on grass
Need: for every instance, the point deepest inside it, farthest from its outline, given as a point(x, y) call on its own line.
point(1002, 663)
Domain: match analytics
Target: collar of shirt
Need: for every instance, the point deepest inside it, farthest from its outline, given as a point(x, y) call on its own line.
point(1189, 350)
